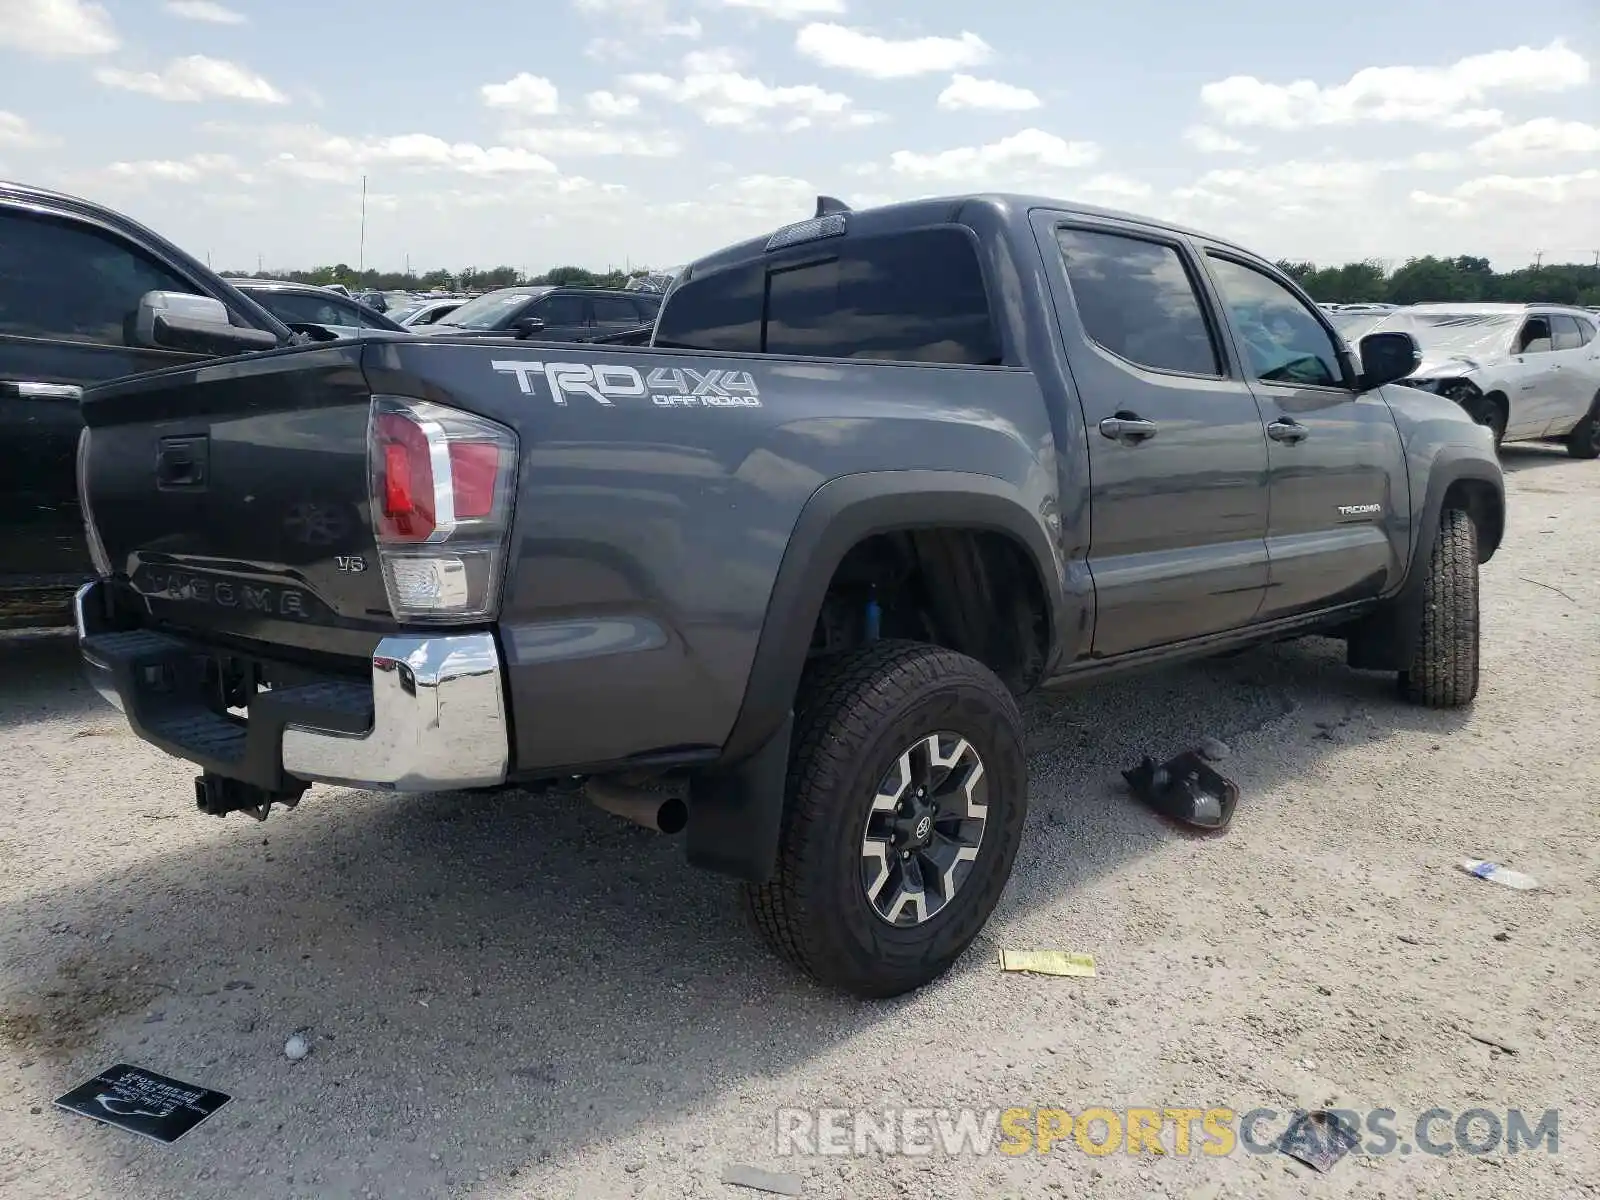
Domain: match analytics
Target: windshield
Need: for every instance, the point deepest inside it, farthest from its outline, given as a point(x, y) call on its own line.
point(1445, 334)
point(488, 311)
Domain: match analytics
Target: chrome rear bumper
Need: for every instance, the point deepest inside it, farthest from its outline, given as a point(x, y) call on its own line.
point(432, 718)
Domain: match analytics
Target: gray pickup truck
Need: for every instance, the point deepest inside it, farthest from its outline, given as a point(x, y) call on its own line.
point(776, 579)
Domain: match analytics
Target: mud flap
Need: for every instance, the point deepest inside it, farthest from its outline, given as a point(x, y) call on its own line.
point(736, 812)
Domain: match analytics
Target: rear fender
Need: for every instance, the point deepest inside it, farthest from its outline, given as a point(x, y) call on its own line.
point(734, 810)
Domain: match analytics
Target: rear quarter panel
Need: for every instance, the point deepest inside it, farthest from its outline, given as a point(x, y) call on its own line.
point(649, 529)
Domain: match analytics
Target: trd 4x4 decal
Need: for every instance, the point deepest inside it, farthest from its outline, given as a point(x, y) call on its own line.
point(606, 383)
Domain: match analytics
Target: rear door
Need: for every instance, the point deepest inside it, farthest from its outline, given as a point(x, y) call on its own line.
point(68, 295)
point(1177, 454)
point(613, 314)
point(1340, 497)
point(1575, 374)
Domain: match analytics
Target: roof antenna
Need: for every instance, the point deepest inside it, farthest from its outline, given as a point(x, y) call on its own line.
point(828, 204)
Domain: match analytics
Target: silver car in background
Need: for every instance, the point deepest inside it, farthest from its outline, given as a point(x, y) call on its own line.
point(1529, 372)
point(426, 312)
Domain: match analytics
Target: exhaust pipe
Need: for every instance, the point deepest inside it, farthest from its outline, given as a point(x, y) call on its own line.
point(654, 810)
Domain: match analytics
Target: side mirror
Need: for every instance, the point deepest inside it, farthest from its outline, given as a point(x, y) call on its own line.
point(528, 326)
point(1386, 357)
point(194, 324)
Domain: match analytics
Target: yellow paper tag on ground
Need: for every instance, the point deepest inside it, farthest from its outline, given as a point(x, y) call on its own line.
point(1048, 962)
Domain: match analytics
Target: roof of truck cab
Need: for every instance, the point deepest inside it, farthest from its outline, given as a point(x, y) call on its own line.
point(1011, 206)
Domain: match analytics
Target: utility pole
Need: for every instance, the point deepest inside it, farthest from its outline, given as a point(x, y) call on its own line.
point(1538, 259)
point(258, 262)
point(1597, 258)
point(361, 252)
point(408, 264)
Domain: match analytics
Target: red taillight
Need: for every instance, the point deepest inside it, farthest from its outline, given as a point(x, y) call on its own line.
point(441, 502)
point(410, 506)
point(475, 470)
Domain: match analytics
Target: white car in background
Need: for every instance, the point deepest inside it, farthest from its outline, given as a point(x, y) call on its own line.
point(1529, 372)
point(426, 312)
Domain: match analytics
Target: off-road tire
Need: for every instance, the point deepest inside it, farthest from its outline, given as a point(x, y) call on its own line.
point(855, 715)
point(1584, 440)
point(1444, 670)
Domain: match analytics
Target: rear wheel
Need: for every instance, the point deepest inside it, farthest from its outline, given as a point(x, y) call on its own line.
point(1444, 669)
point(1584, 440)
point(906, 796)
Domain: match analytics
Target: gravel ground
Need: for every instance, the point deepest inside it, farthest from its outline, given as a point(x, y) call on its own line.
point(521, 996)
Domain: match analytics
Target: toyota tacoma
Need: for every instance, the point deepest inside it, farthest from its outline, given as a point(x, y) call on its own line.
point(777, 578)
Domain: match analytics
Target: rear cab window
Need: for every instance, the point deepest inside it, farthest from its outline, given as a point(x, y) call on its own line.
point(916, 296)
point(1137, 301)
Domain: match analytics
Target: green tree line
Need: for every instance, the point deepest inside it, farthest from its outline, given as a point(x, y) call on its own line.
point(468, 279)
point(1464, 279)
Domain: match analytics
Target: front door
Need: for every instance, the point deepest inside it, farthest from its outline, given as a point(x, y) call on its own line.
point(68, 295)
point(565, 316)
point(1177, 456)
point(1536, 379)
point(1340, 500)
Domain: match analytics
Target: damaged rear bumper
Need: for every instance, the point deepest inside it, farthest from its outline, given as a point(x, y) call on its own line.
point(431, 717)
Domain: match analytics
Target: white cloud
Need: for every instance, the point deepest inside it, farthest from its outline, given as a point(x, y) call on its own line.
point(532, 95)
point(1307, 190)
point(610, 104)
point(169, 170)
point(17, 134)
point(1451, 96)
point(645, 18)
point(1213, 141)
point(1579, 188)
point(1542, 137)
point(966, 91)
point(1113, 189)
point(883, 58)
point(1029, 154)
point(722, 96)
point(195, 78)
point(789, 10)
point(1434, 160)
point(56, 28)
point(205, 10)
point(598, 140)
point(308, 152)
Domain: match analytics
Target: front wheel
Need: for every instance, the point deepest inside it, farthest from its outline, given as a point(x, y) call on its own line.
point(1444, 669)
point(1487, 413)
point(906, 796)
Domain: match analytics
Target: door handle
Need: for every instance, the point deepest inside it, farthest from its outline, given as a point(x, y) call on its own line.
point(27, 390)
point(182, 462)
point(1285, 430)
point(1128, 429)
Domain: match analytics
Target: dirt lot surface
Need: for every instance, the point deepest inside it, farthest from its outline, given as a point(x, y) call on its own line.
point(522, 996)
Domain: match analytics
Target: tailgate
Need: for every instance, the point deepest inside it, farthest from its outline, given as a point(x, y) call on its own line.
point(233, 498)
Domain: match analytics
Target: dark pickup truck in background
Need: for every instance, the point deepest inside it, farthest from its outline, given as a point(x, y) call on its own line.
point(777, 578)
point(72, 274)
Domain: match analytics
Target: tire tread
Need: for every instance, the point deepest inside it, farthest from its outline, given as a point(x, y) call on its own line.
point(1444, 670)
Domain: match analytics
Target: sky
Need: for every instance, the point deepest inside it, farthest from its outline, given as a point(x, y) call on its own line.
point(647, 132)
